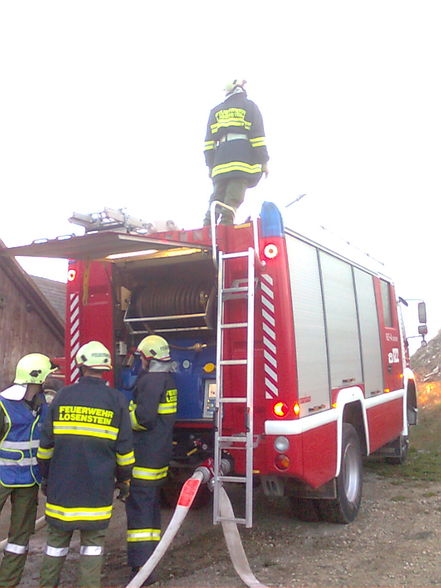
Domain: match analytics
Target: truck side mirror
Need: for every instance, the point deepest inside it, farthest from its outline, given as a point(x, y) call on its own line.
point(422, 317)
point(422, 329)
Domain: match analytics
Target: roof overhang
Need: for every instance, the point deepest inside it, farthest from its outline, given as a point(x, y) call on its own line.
point(108, 246)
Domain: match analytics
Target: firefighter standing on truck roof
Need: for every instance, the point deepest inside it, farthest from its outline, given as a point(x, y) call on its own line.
point(153, 415)
point(22, 411)
point(235, 149)
point(86, 441)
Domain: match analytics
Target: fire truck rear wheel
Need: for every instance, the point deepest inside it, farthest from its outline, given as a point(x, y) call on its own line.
point(344, 508)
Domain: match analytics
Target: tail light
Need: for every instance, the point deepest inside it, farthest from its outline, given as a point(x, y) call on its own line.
point(281, 461)
point(280, 409)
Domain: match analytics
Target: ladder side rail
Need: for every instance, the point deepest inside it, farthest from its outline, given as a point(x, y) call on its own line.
point(250, 390)
point(219, 394)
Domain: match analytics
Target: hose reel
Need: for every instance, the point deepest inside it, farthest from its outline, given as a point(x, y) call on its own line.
point(162, 306)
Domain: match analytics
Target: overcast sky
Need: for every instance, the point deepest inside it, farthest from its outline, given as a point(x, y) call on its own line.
point(105, 103)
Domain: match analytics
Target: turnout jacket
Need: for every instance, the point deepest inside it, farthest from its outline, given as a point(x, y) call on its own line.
point(153, 415)
point(86, 442)
point(20, 427)
point(235, 145)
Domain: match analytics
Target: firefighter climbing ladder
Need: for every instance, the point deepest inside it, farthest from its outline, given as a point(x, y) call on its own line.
point(241, 439)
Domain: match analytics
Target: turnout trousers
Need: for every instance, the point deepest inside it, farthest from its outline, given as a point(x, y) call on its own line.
point(24, 503)
point(232, 193)
point(91, 557)
point(143, 523)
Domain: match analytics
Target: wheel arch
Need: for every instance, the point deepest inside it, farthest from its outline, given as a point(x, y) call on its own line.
point(351, 409)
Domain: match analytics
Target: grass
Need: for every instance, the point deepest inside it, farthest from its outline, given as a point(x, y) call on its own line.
point(424, 458)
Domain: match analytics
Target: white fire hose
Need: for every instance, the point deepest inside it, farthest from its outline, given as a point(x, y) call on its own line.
point(231, 533)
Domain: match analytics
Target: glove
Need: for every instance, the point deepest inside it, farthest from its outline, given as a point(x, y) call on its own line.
point(43, 486)
point(124, 490)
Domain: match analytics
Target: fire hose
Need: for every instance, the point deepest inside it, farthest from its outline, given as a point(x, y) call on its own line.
point(231, 533)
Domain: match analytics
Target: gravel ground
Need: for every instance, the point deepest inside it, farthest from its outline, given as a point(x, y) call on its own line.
point(395, 541)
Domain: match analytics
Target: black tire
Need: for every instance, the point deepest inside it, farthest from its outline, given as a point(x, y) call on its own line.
point(305, 509)
point(402, 443)
point(345, 507)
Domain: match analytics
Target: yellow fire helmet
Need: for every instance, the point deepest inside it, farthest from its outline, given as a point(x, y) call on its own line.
point(94, 355)
point(33, 369)
point(154, 347)
point(231, 85)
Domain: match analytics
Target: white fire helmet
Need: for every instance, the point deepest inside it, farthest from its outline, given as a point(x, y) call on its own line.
point(154, 347)
point(94, 355)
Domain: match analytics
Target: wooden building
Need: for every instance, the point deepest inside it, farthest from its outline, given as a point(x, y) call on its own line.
point(29, 323)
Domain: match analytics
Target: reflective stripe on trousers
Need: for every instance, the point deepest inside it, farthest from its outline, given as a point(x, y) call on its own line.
point(91, 550)
point(56, 551)
point(17, 549)
point(144, 535)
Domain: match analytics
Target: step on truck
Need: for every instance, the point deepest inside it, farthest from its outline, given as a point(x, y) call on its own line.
point(290, 357)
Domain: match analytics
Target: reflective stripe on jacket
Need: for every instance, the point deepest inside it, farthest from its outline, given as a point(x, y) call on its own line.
point(18, 448)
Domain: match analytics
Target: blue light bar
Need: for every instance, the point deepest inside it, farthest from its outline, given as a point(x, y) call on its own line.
point(272, 223)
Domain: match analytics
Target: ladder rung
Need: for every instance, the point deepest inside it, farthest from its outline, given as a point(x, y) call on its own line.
point(235, 479)
point(236, 289)
point(231, 520)
point(234, 439)
point(237, 254)
point(234, 399)
point(233, 361)
point(233, 325)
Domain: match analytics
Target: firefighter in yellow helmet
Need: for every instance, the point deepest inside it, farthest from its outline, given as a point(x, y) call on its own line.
point(153, 415)
point(85, 444)
point(235, 149)
point(22, 411)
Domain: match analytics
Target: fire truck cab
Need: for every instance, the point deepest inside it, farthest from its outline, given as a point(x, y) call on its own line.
point(289, 355)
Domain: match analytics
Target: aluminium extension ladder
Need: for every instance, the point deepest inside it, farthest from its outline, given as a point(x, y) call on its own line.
point(241, 440)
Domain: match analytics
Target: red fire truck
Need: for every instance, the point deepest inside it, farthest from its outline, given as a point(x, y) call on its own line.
point(290, 359)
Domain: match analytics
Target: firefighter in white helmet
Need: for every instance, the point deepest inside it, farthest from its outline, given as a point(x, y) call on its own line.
point(86, 443)
point(235, 149)
point(153, 415)
point(22, 411)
